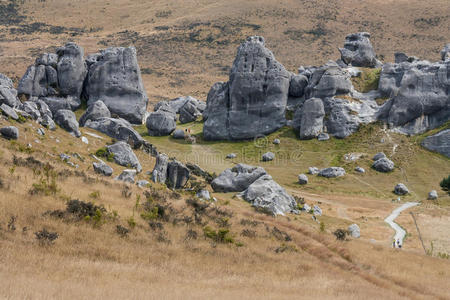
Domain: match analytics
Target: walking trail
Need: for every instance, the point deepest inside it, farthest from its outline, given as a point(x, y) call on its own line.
point(399, 232)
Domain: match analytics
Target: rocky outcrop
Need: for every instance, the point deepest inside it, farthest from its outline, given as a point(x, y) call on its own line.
point(445, 52)
point(160, 123)
point(419, 93)
point(332, 172)
point(439, 142)
point(102, 168)
point(67, 120)
point(127, 176)
point(95, 111)
point(58, 75)
point(10, 132)
point(267, 195)
point(8, 94)
point(358, 51)
point(114, 77)
point(237, 179)
point(9, 111)
point(159, 173)
point(311, 123)
point(254, 100)
point(177, 175)
point(123, 155)
point(327, 81)
point(119, 129)
point(191, 110)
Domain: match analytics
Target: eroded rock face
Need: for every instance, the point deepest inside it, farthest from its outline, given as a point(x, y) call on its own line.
point(237, 179)
point(354, 231)
point(124, 155)
point(127, 176)
point(159, 173)
point(439, 142)
point(401, 189)
point(445, 52)
point(10, 132)
point(383, 165)
point(312, 113)
point(253, 102)
point(190, 111)
point(68, 121)
point(102, 168)
point(327, 81)
point(114, 77)
point(264, 193)
point(8, 94)
point(160, 123)
point(177, 175)
point(95, 111)
point(119, 129)
point(358, 51)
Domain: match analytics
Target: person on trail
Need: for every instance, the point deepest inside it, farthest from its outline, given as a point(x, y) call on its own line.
point(393, 244)
point(398, 244)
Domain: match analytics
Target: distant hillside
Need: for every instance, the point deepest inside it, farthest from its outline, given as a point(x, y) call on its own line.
point(186, 46)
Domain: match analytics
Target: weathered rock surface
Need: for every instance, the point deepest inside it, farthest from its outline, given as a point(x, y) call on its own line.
point(67, 120)
point(302, 179)
point(8, 94)
point(254, 100)
point(401, 189)
point(160, 123)
point(323, 136)
point(95, 111)
point(124, 155)
point(203, 194)
point(231, 156)
point(178, 134)
point(114, 77)
point(360, 170)
point(432, 195)
point(119, 129)
point(8, 111)
point(313, 170)
point(327, 81)
point(71, 70)
point(268, 156)
point(142, 183)
point(378, 156)
point(237, 179)
point(445, 52)
point(297, 85)
point(266, 194)
point(276, 141)
point(439, 142)
point(177, 175)
point(102, 168)
point(332, 172)
point(317, 210)
point(312, 113)
point(191, 110)
point(127, 176)
point(383, 165)
point(159, 173)
point(358, 51)
point(354, 231)
point(10, 132)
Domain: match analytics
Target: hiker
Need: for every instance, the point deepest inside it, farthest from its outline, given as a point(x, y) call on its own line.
point(398, 244)
point(393, 243)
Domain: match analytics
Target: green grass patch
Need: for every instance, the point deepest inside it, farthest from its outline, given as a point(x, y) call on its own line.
point(368, 80)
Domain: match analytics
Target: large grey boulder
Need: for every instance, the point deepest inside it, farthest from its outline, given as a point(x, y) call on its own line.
point(327, 81)
point(102, 168)
point(124, 155)
point(266, 194)
point(119, 129)
point(31, 109)
point(254, 100)
point(47, 122)
point(268, 156)
point(354, 231)
point(297, 85)
point(115, 78)
point(383, 165)
point(190, 111)
point(10, 132)
point(358, 51)
point(39, 81)
point(56, 103)
point(95, 111)
point(160, 123)
point(332, 172)
point(8, 94)
point(178, 134)
point(401, 189)
point(176, 104)
point(177, 175)
point(440, 142)
point(8, 111)
point(237, 179)
point(312, 114)
point(67, 120)
point(159, 173)
point(378, 156)
point(71, 70)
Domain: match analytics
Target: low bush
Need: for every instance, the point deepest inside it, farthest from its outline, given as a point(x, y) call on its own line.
point(46, 237)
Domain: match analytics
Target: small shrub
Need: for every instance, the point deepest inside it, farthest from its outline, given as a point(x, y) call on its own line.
point(85, 210)
point(281, 235)
point(248, 233)
point(191, 235)
point(222, 235)
point(122, 231)
point(286, 248)
point(248, 222)
point(131, 222)
point(12, 223)
point(46, 237)
point(94, 195)
point(103, 152)
point(340, 234)
point(322, 227)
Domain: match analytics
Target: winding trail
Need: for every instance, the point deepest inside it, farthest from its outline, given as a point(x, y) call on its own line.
point(399, 232)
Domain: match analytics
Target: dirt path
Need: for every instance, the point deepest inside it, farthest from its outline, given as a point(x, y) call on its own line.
point(399, 232)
